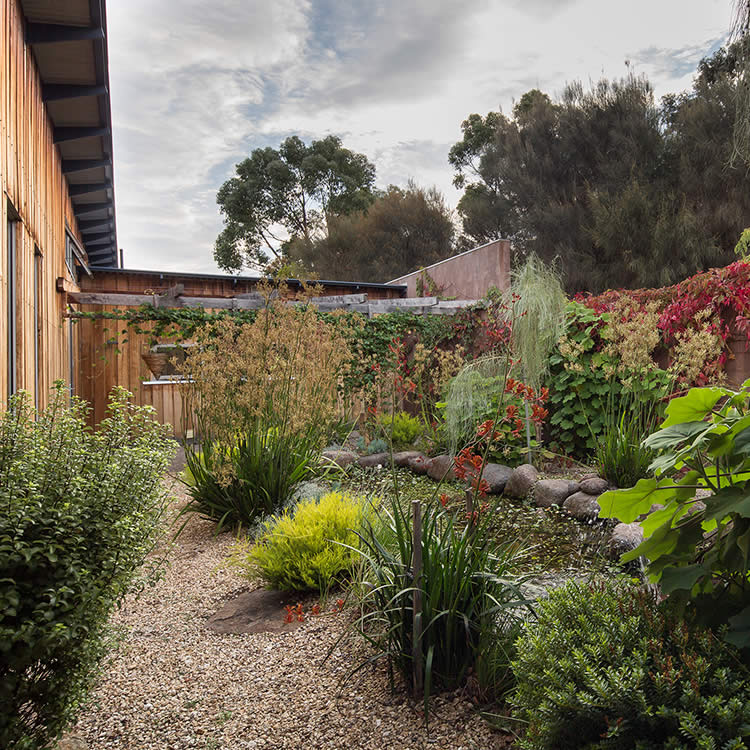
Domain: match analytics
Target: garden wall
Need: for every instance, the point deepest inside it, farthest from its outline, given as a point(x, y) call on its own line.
point(465, 276)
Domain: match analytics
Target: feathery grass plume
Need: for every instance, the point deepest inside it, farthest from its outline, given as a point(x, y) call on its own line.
point(469, 397)
point(536, 302)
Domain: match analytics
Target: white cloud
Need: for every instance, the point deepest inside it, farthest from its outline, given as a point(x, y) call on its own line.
point(196, 86)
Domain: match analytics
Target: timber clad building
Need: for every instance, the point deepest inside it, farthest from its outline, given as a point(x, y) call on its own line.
point(58, 243)
point(56, 176)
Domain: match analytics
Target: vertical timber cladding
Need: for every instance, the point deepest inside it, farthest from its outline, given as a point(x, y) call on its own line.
point(34, 187)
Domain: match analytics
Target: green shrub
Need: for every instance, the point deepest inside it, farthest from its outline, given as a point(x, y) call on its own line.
point(251, 479)
point(584, 378)
point(468, 597)
point(400, 428)
point(696, 546)
point(80, 511)
point(604, 667)
point(376, 446)
point(307, 548)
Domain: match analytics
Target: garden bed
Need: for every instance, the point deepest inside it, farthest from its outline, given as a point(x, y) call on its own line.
point(173, 684)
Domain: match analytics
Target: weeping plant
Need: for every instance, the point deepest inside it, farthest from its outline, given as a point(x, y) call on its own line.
point(536, 304)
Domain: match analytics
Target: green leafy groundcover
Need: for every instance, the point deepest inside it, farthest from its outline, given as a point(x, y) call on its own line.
point(80, 511)
point(698, 547)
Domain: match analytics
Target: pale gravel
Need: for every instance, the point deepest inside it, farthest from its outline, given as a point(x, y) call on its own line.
point(174, 684)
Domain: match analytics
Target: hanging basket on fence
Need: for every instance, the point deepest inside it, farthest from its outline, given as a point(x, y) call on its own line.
point(157, 362)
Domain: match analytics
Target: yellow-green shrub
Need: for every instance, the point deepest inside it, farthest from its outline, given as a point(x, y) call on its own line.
point(308, 547)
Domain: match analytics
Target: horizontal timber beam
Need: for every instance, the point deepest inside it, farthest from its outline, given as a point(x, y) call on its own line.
point(55, 91)
point(81, 165)
point(49, 33)
point(94, 225)
point(65, 134)
point(86, 209)
point(173, 298)
point(88, 187)
point(106, 238)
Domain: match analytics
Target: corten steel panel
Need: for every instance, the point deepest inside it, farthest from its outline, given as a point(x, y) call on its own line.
point(468, 275)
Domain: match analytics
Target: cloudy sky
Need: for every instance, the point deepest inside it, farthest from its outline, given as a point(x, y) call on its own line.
point(197, 85)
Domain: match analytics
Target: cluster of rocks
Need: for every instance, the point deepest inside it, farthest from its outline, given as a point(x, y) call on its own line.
point(579, 499)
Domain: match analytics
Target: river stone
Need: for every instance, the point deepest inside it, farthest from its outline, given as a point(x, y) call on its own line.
point(402, 457)
point(341, 458)
point(594, 486)
point(419, 464)
point(582, 506)
point(496, 476)
point(625, 537)
point(549, 492)
point(441, 467)
point(376, 459)
point(521, 480)
point(573, 486)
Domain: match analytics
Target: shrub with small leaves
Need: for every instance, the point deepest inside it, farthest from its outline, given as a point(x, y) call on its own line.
point(401, 428)
point(80, 512)
point(307, 548)
point(605, 667)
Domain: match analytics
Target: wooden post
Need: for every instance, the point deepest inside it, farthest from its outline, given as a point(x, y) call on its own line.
point(470, 507)
point(416, 639)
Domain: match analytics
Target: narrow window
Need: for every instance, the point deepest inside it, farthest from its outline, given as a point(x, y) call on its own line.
point(12, 237)
point(70, 261)
point(38, 320)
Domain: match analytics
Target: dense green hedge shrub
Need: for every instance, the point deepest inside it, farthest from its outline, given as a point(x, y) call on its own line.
point(604, 667)
point(80, 511)
point(310, 547)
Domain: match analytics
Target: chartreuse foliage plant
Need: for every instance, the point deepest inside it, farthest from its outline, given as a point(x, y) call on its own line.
point(603, 667)
point(698, 546)
point(80, 511)
point(311, 547)
point(400, 429)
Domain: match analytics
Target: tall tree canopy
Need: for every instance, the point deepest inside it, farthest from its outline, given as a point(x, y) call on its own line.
point(402, 230)
point(624, 191)
point(288, 195)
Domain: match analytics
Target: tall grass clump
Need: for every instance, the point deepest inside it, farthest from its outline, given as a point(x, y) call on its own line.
point(81, 510)
point(621, 456)
point(468, 590)
point(265, 397)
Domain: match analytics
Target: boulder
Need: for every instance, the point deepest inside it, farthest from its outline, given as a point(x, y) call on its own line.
point(441, 467)
point(419, 464)
point(496, 476)
point(594, 485)
point(549, 492)
point(341, 458)
point(582, 506)
point(402, 458)
point(625, 537)
point(573, 486)
point(376, 459)
point(521, 480)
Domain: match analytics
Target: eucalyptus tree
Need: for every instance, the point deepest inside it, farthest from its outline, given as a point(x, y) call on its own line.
point(285, 195)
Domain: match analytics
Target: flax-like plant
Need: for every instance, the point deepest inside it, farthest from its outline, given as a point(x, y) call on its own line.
point(621, 456)
point(470, 595)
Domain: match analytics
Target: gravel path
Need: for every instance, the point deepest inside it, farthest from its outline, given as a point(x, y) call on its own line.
point(174, 684)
